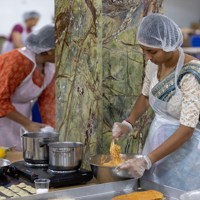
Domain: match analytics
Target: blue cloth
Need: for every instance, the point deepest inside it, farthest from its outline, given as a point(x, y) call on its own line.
point(36, 117)
point(195, 40)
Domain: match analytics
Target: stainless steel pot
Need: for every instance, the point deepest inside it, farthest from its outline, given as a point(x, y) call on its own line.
point(65, 156)
point(35, 146)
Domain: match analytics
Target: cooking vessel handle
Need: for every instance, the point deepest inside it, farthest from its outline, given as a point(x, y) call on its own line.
point(23, 131)
point(43, 143)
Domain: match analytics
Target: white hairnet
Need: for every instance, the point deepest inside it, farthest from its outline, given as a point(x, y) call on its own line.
point(30, 15)
point(158, 31)
point(41, 40)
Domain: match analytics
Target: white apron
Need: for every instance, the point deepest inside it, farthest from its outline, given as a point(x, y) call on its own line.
point(181, 168)
point(21, 99)
point(9, 46)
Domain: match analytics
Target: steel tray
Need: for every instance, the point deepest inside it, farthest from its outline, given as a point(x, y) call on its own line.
point(105, 191)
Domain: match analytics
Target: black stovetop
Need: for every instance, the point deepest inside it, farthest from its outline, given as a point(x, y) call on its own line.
point(30, 173)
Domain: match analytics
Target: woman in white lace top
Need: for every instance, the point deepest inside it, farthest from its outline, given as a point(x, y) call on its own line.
point(172, 89)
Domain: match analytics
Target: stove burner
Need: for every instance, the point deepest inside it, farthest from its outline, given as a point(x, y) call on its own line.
point(58, 179)
point(60, 172)
point(35, 165)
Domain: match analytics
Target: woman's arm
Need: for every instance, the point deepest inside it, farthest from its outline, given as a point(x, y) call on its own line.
point(17, 40)
point(142, 102)
point(180, 136)
point(24, 121)
point(16, 36)
point(137, 166)
point(121, 129)
point(140, 107)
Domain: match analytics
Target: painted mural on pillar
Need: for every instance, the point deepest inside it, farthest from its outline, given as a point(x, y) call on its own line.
point(100, 69)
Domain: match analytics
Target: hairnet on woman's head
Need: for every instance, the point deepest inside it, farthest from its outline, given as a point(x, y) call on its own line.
point(158, 31)
point(30, 15)
point(41, 40)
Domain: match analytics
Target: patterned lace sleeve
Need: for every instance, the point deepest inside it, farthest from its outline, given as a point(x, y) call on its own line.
point(150, 72)
point(191, 101)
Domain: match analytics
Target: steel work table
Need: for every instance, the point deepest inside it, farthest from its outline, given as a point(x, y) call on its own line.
point(105, 191)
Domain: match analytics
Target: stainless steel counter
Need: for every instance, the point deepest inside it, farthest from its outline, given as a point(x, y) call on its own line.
point(105, 191)
point(98, 192)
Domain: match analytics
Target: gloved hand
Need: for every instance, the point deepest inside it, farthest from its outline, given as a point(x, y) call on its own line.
point(47, 129)
point(136, 166)
point(36, 127)
point(121, 129)
point(32, 127)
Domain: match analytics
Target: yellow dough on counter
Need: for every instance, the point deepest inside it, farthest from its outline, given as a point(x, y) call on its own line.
point(145, 195)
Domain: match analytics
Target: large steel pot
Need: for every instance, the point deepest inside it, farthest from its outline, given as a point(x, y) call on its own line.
point(35, 146)
point(65, 156)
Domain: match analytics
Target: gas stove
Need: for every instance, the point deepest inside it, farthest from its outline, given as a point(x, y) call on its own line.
point(58, 179)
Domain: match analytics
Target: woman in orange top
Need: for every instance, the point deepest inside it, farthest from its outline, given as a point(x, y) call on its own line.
point(27, 74)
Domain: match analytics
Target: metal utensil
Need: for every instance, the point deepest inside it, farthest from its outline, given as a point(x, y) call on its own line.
point(113, 142)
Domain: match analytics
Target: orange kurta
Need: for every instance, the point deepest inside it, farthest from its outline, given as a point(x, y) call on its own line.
point(14, 68)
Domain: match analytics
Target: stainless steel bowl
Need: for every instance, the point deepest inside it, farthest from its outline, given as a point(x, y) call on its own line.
point(4, 162)
point(105, 174)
